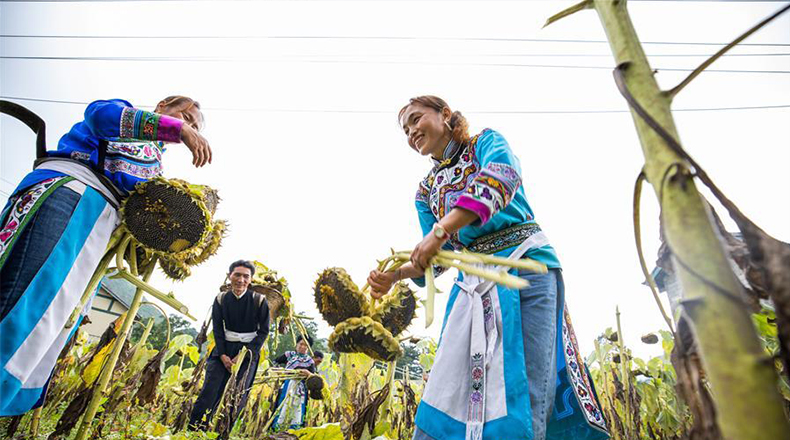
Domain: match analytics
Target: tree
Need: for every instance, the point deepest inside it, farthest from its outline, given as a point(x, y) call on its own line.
point(280, 343)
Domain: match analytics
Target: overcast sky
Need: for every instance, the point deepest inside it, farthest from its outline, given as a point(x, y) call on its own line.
point(301, 102)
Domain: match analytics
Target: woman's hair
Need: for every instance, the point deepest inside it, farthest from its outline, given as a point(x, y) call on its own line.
point(183, 103)
point(318, 354)
point(458, 125)
point(309, 340)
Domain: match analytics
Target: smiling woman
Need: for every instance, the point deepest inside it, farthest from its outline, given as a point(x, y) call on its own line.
point(472, 199)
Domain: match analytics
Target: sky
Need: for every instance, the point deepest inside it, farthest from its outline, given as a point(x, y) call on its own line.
point(301, 102)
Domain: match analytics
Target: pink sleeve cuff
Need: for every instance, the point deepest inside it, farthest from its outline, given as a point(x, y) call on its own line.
point(481, 209)
point(169, 129)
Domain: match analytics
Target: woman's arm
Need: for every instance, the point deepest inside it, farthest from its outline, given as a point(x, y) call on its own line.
point(117, 119)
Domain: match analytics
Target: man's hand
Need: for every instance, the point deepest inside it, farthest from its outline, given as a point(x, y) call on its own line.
point(305, 374)
point(227, 361)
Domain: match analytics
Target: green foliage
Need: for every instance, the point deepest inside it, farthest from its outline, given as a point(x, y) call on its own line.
point(280, 343)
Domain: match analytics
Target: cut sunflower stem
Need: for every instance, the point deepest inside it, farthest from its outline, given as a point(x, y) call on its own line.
point(167, 298)
point(469, 257)
point(501, 277)
point(429, 301)
point(127, 238)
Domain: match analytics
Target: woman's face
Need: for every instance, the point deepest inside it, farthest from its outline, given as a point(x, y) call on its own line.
point(425, 129)
point(186, 112)
point(301, 347)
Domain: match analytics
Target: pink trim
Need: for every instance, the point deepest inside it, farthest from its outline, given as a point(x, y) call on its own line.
point(169, 129)
point(481, 209)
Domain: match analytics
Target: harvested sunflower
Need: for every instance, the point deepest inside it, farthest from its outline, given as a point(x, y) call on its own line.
point(364, 335)
point(169, 217)
point(338, 298)
point(396, 309)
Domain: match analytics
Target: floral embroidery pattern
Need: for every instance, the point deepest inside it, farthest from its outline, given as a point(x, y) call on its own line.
point(20, 208)
point(138, 124)
point(494, 186)
point(296, 360)
point(444, 184)
point(139, 171)
point(147, 152)
point(128, 115)
point(149, 126)
point(478, 388)
point(578, 376)
point(503, 239)
point(488, 312)
point(491, 187)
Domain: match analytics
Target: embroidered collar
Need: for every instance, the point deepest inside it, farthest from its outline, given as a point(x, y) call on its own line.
point(449, 156)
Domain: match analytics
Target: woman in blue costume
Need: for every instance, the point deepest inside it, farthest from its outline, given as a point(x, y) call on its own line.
point(507, 366)
point(57, 223)
point(291, 404)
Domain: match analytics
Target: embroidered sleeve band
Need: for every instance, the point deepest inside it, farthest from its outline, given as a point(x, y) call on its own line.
point(491, 190)
point(140, 124)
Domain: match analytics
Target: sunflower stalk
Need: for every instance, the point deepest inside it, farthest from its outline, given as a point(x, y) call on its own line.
point(430, 284)
point(499, 277)
point(167, 298)
point(106, 373)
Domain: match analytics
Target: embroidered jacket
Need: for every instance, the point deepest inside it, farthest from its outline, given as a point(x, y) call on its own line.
point(484, 177)
point(293, 360)
point(136, 143)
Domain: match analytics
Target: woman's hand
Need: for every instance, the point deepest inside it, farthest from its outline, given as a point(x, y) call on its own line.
point(381, 282)
point(197, 144)
point(425, 250)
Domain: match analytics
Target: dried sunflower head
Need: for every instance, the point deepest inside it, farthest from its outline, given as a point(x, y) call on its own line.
point(315, 386)
point(338, 298)
point(175, 269)
point(364, 335)
point(168, 217)
point(211, 245)
point(396, 309)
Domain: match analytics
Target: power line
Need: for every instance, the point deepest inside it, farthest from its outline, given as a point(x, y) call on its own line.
point(309, 61)
point(264, 1)
point(388, 112)
point(468, 55)
point(365, 37)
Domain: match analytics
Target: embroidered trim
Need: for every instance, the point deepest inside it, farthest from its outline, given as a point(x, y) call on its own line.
point(504, 238)
point(494, 186)
point(296, 360)
point(128, 115)
point(138, 124)
point(142, 172)
point(21, 210)
point(440, 188)
point(148, 152)
point(149, 125)
point(81, 156)
point(477, 390)
point(577, 375)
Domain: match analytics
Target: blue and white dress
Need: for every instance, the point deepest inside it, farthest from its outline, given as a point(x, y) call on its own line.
point(478, 387)
point(54, 230)
point(291, 401)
